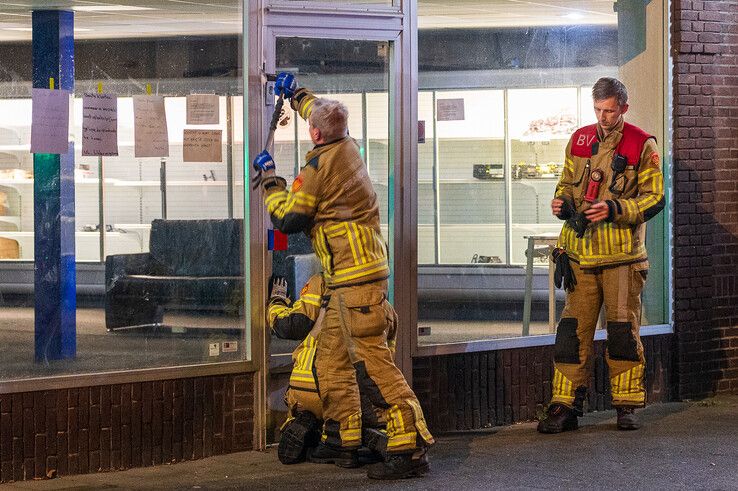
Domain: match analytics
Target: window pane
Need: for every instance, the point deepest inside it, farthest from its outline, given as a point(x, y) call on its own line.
point(427, 161)
point(355, 73)
point(343, 2)
point(377, 152)
point(172, 290)
point(523, 77)
point(16, 173)
point(471, 155)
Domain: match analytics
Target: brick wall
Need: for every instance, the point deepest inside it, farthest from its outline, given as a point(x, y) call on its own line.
point(705, 52)
point(478, 390)
point(92, 429)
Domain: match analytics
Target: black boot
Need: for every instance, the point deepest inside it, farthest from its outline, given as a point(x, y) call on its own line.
point(375, 439)
point(301, 433)
point(325, 454)
point(627, 419)
point(374, 446)
point(400, 466)
point(558, 418)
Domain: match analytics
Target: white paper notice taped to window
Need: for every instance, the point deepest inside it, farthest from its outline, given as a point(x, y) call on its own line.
point(203, 109)
point(450, 109)
point(230, 346)
point(150, 126)
point(202, 146)
point(214, 349)
point(50, 121)
point(99, 125)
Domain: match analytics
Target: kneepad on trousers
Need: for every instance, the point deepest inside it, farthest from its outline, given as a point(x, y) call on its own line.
point(621, 345)
point(566, 349)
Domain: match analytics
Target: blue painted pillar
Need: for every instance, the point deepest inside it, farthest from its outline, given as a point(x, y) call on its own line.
point(53, 200)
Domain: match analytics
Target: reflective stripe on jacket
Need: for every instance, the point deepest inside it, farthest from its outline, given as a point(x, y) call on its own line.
point(301, 320)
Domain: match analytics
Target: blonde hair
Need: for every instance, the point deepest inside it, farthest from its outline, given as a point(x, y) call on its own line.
point(331, 118)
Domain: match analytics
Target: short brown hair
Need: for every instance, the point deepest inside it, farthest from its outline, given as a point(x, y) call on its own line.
point(331, 118)
point(607, 87)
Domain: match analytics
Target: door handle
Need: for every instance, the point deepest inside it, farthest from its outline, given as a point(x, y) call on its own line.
point(269, 89)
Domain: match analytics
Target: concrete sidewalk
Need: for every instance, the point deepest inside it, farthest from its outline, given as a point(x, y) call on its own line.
point(681, 446)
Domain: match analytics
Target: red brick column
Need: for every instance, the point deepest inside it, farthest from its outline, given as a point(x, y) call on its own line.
point(705, 198)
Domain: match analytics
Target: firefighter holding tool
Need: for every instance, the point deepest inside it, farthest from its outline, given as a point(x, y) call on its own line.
point(333, 200)
point(611, 186)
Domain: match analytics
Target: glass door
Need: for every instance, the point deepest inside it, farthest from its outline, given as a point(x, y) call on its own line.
point(358, 73)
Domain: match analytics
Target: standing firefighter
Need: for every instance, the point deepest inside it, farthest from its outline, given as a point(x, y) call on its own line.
point(611, 185)
point(333, 200)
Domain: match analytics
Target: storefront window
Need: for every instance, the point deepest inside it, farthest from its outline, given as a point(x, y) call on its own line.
point(500, 93)
point(158, 240)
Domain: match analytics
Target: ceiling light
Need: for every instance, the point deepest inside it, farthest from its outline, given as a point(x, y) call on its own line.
point(574, 16)
point(108, 8)
point(29, 29)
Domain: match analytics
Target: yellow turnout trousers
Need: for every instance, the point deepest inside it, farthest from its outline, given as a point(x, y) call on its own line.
point(302, 394)
point(353, 341)
point(619, 288)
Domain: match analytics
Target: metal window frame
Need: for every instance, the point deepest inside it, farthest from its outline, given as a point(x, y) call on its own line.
point(522, 342)
point(318, 7)
point(125, 377)
point(667, 161)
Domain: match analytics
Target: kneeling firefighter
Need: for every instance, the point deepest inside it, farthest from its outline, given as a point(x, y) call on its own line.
point(302, 320)
point(611, 185)
point(333, 200)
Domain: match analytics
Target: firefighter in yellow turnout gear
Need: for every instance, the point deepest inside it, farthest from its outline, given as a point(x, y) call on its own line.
point(333, 200)
point(611, 185)
point(302, 320)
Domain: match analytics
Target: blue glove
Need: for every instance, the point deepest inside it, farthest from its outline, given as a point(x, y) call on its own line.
point(264, 162)
point(285, 85)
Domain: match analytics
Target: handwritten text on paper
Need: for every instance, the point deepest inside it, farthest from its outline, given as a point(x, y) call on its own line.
point(203, 146)
point(99, 125)
point(203, 109)
point(150, 126)
point(50, 121)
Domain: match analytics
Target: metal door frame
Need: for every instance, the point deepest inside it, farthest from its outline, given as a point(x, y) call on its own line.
point(397, 26)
